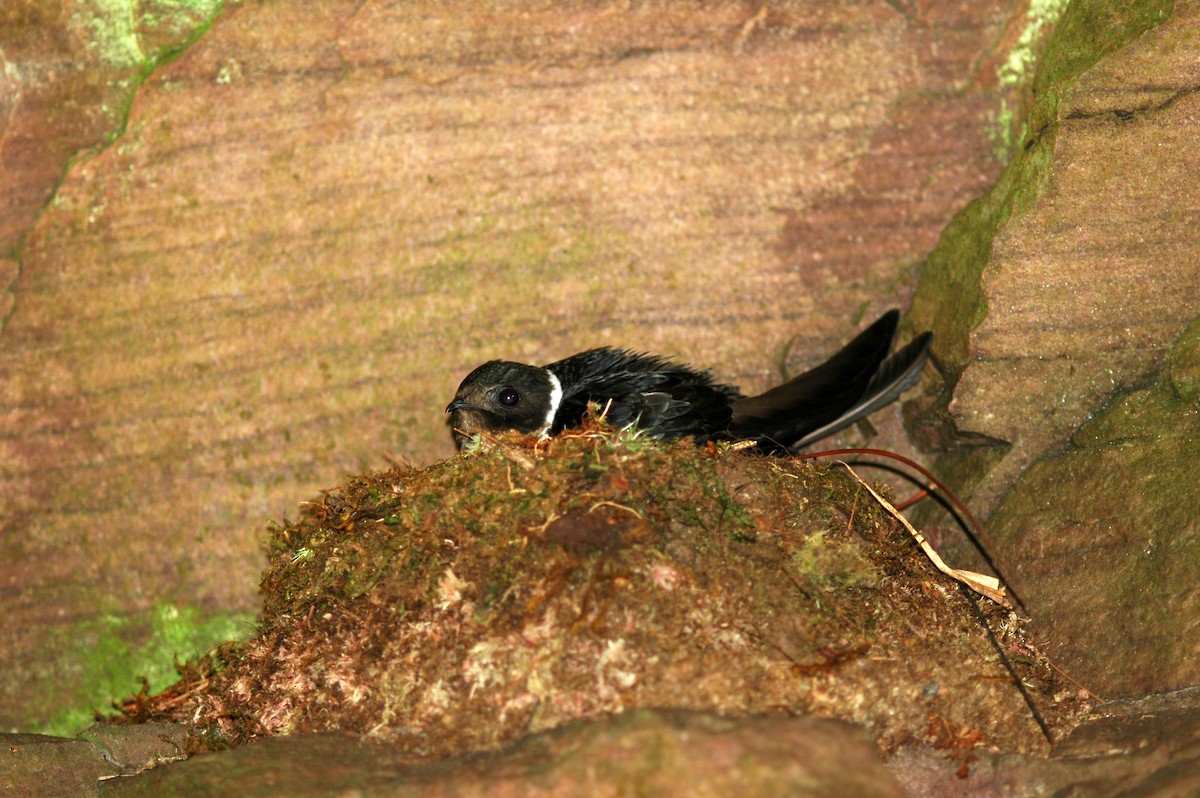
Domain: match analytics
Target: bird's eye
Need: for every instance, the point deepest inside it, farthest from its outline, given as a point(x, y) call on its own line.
point(508, 397)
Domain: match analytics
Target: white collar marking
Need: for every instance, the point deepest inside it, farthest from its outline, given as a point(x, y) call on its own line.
point(556, 395)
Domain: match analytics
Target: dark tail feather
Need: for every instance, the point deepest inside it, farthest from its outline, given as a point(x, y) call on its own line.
point(896, 375)
point(855, 382)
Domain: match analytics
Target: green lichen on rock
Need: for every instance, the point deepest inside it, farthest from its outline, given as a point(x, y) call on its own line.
point(115, 45)
point(514, 589)
point(109, 28)
point(1018, 69)
point(132, 34)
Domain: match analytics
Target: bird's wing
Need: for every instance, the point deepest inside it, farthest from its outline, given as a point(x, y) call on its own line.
point(653, 393)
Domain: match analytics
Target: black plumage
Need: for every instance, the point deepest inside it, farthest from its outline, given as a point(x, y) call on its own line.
point(670, 400)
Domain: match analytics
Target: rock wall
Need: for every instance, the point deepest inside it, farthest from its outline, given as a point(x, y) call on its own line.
point(1065, 302)
point(237, 270)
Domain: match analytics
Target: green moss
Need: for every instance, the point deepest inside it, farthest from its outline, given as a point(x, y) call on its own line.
point(1129, 514)
point(1087, 32)
point(112, 653)
point(831, 564)
point(525, 584)
point(1138, 416)
point(1183, 367)
point(950, 298)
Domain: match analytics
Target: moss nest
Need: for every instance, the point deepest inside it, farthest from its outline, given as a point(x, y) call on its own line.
point(517, 588)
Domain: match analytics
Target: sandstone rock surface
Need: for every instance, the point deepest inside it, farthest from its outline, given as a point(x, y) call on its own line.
point(284, 247)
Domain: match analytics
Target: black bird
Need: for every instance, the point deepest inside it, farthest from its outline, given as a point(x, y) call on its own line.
point(670, 400)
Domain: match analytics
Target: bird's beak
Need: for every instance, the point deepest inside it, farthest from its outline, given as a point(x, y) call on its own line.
point(457, 404)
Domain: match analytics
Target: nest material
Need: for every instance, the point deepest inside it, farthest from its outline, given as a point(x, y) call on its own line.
point(465, 605)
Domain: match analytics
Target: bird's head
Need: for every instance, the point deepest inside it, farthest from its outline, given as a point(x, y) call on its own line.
point(502, 396)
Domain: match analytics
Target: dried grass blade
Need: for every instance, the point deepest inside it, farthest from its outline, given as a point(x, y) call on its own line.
point(983, 584)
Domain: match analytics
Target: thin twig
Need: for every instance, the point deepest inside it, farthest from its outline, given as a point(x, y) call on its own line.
point(1012, 671)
